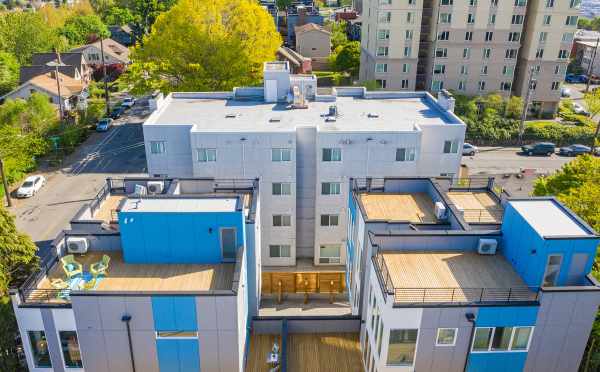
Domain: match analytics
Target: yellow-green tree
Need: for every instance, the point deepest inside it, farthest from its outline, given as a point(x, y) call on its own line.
point(205, 46)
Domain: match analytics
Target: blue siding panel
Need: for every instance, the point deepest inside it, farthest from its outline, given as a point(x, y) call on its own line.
point(174, 313)
point(509, 316)
point(185, 313)
point(496, 362)
point(189, 355)
point(176, 355)
point(168, 355)
point(163, 311)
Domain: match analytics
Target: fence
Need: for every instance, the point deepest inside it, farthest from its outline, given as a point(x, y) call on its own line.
point(489, 215)
point(99, 198)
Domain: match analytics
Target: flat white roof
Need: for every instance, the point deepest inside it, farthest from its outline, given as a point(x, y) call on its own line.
point(168, 205)
point(394, 112)
point(548, 218)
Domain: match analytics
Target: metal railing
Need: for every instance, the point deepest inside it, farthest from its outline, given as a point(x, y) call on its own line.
point(99, 198)
point(385, 280)
point(45, 296)
point(490, 215)
point(470, 182)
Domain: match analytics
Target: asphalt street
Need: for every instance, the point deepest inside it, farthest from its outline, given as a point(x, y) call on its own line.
point(500, 160)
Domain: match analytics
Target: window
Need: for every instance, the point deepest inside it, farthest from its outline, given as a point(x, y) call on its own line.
point(567, 37)
point(405, 154)
point(506, 86)
point(466, 53)
point(405, 68)
point(555, 85)
point(445, 17)
point(380, 83)
point(464, 70)
point(70, 349)
point(409, 18)
point(157, 147)
point(330, 219)
point(470, 18)
point(332, 154)
point(484, 70)
point(282, 188)
point(571, 21)
point(508, 70)
point(517, 19)
point(381, 67)
point(206, 155)
point(520, 2)
point(510, 54)
point(412, 2)
point(575, 4)
point(447, 2)
point(560, 69)
point(469, 35)
point(382, 51)
point(441, 53)
point(330, 188)
point(451, 147)
point(39, 349)
point(404, 83)
point(492, 19)
point(439, 69)
point(176, 334)
point(462, 85)
point(543, 36)
point(383, 34)
point(437, 85)
point(514, 36)
point(487, 53)
point(539, 53)
point(444, 35)
point(282, 220)
point(521, 337)
point(563, 54)
point(407, 51)
point(481, 85)
point(549, 3)
point(385, 17)
point(379, 337)
point(481, 340)
point(547, 20)
point(489, 36)
point(446, 337)
point(501, 339)
point(494, 2)
point(552, 270)
point(329, 254)
point(408, 35)
point(385, 2)
point(472, 2)
point(279, 250)
point(278, 155)
point(401, 347)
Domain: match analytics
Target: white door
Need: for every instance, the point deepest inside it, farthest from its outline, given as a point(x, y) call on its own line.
point(271, 91)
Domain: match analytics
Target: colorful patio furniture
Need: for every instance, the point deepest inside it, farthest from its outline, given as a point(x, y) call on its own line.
point(70, 266)
point(101, 267)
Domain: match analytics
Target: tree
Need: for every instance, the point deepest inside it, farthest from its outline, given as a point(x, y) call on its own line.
point(283, 4)
point(117, 16)
point(145, 13)
point(514, 107)
point(592, 101)
point(79, 30)
point(348, 58)
point(9, 72)
point(201, 45)
point(338, 34)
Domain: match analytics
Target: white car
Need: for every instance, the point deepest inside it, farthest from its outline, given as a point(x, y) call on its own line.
point(128, 102)
point(469, 150)
point(578, 109)
point(31, 186)
point(565, 92)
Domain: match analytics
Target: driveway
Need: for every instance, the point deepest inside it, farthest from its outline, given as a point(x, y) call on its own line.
point(118, 152)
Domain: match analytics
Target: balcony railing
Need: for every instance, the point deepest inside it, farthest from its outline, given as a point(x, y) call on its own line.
point(490, 215)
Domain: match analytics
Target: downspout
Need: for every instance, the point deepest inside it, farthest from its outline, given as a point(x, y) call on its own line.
point(127, 318)
point(471, 319)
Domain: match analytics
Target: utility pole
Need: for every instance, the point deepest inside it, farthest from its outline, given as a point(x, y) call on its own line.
point(5, 184)
point(526, 104)
point(60, 99)
point(104, 78)
point(590, 67)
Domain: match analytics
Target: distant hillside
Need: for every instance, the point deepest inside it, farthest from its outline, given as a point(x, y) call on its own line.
point(590, 8)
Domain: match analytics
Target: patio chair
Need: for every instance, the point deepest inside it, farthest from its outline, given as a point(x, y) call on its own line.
point(70, 266)
point(101, 267)
point(63, 288)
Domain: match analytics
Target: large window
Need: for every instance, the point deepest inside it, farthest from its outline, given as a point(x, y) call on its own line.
point(282, 220)
point(157, 147)
point(206, 155)
point(329, 220)
point(39, 349)
point(330, 188)
point(282, 188)
point(446, 337)
point(329, 254)
point(552, 270)
point(278, 155)
point(70, 349)
point(279, 250)
point(405, 154)
point(401, 348)
point(332, 154)
point(501, 339)
point(451, 147)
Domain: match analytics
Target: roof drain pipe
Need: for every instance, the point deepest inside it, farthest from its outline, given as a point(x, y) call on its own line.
point(471, 319)
point(127, 318)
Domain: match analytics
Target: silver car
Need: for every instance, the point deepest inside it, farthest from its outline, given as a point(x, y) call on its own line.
point(469, 150)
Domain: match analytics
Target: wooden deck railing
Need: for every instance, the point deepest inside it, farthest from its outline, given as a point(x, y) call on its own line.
point(490, 215)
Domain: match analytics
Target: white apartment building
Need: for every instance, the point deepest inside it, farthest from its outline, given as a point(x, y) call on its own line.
point(304, 148)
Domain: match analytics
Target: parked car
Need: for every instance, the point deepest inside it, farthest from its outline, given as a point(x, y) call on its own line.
point(128, 102)
point(574, 150)
point(539, 148)
point(104, 124)
point(595, 79)
point(578, 109)
point(574, 79)
point(469, 149)
point(31, 186)
point(117, 112)
point(565, 92)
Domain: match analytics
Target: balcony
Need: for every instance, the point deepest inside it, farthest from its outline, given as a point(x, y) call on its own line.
point(449, 278)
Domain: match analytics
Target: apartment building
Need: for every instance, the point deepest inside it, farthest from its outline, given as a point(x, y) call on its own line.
point(303, 146)
point(454, 277)
point(471, 46)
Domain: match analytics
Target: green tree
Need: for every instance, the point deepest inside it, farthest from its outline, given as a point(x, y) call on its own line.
point(117, 16)
point(145, 13)
point(200, 45)
point(338, 34)
point(9, 72)
point(592, 101)
point(348, 58)
point(514, 107)
point(283, 4)
point(79, 30)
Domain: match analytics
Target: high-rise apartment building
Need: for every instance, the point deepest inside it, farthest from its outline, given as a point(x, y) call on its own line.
point(472, 46)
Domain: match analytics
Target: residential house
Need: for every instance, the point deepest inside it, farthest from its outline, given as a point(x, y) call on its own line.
point(115, 54)
point(122, 35)
point(588, 53)
point(298, 63)
point(299, 14)
point(313, 41)
point(73, 64)
point(582, 35)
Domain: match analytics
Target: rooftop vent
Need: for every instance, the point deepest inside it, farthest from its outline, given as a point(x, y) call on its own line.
point(275, 119)
point(333, 111)
point(330, 119)
point(372, 115)
point(231, 116)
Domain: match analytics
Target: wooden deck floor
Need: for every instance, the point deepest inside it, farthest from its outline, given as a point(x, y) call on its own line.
point(325, 352)
point(415, 207)
point(260, 347)
point(146, 277)
point(478, 206)
point(105, 213)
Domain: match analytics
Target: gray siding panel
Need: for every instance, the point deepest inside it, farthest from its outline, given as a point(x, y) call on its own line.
point(53, 342)
point(306, 180)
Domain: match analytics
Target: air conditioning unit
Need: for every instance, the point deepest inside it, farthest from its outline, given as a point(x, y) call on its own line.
point(487, 246)
point(155, 187)
point(140, 190)
point(440, 211)
point(77, 245)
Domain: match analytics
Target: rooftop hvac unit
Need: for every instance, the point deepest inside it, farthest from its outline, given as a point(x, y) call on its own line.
point(487, 246)
point(155, 187)
point(77, 245)
point(440, 211)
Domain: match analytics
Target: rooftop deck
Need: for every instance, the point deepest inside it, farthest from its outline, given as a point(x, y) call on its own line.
point(297, 307)
point(465, 277)
point(477, 206)
point(108, 209)
point(123, 277)
point(324, 352)
point(415, 207)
